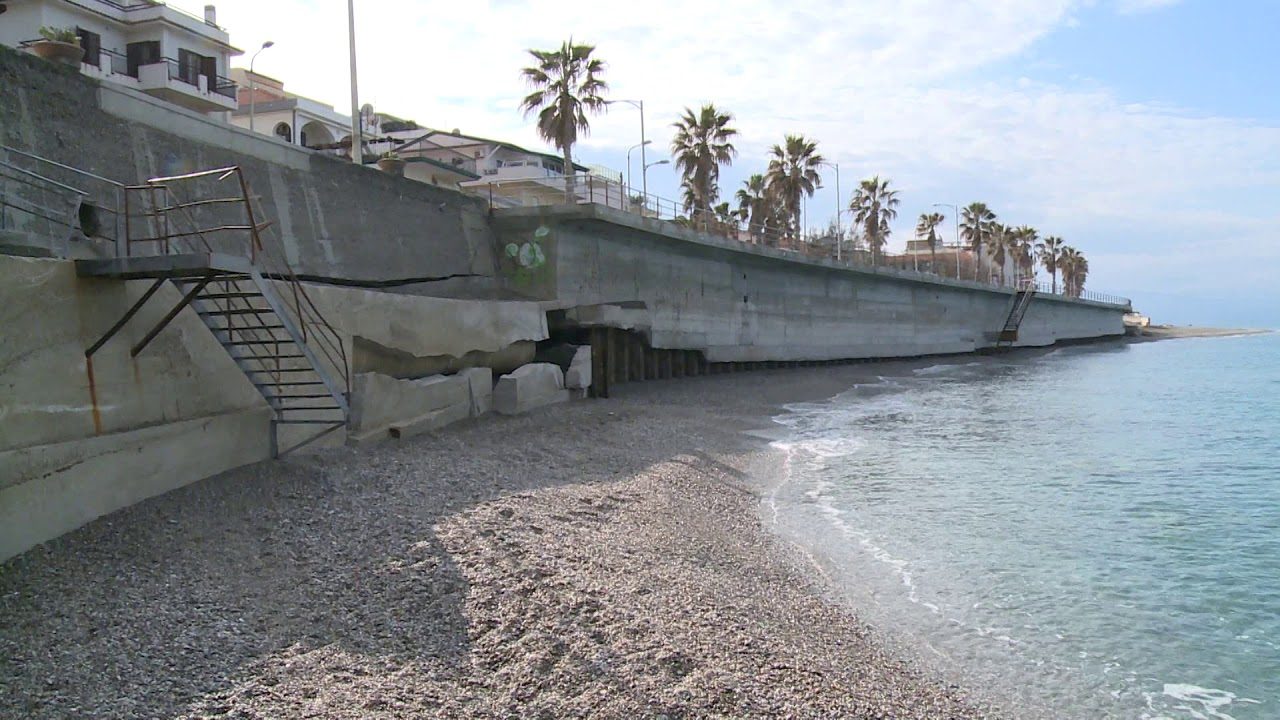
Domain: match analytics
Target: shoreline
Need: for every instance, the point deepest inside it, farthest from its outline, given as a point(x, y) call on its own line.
point(606, 559)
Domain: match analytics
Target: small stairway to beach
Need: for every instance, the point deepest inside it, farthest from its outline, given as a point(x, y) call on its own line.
point(1021, 301)
point(211, 249)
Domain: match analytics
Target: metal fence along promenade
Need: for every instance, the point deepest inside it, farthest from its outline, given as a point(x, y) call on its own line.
point(588, 189)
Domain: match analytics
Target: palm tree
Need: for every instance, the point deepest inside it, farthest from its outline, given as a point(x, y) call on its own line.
point(1048, 251)
point(927, 230)
point(756, 205)
point(1024, 251)
point(793, 173)
point(873, 206)
point(1075, 268)
point(976, 227)
point(702, 144)
point(1001, 245)
point(566, 86)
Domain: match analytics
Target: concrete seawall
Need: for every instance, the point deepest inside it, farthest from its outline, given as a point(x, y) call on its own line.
point(731, 302)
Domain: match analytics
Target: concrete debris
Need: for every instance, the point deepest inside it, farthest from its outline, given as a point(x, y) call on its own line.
point(381, 404)
point(529, 387)
point(578, 376)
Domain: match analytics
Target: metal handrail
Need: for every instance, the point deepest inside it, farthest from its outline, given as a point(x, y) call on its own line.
point(311, 321)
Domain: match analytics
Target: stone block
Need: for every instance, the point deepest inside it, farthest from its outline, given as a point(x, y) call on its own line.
point(578, 376)
point(379, 401)
point(480, 382)
point(529, 387)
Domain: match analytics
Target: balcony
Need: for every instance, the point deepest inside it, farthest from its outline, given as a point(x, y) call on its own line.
point(168, 80)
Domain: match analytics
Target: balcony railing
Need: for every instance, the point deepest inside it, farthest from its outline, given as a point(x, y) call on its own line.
point(191, 76)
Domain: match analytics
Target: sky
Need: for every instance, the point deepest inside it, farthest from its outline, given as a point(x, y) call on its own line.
point(1146, 133)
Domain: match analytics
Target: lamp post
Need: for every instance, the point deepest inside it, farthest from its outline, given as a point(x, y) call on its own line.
point(633, 147)
point(357, 141)
point(644, 174)
point(955, 218)
point(253, 99)
point(839, 200)
point(639, 105)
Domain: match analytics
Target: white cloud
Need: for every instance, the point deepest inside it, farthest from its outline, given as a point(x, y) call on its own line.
point(895, 87)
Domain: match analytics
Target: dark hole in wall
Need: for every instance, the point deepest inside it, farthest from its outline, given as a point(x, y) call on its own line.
point(90, 224)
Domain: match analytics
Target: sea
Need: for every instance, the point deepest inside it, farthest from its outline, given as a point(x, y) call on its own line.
point(1085, 532)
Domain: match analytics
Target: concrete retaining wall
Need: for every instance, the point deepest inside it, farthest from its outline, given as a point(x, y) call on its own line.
point(334, 219)
point(80, 439)
point(738, 303)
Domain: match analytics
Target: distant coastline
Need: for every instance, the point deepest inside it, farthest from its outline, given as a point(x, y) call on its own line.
point(1174, 332)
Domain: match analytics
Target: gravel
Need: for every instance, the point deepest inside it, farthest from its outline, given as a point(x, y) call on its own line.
point(600, 559)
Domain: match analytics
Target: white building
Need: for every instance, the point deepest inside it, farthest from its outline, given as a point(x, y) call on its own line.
point(267, 108)
point(143, 44)
point(491, 160)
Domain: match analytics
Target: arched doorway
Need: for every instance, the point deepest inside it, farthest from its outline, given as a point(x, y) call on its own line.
point(284, 132)
point(314, 133)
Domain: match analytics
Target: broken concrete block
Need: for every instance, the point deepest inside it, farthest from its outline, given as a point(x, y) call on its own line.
point(578, 376)
point(529, 387)
point(480, 382)
point(378, 401)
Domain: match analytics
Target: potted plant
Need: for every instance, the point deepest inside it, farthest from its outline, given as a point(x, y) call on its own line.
point(59, 45)
point(391, 163)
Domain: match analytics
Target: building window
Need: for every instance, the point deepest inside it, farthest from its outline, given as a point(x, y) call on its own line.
point(189, 67)
point(284, 132)
point(142, 53)
point(92, 44)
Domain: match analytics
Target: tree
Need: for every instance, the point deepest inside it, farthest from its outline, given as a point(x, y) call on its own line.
point(1001, 246)
point(566, 84)
point(1025, 238)
point(702, 144)
point(873, 206)
point(793, 173)
point(757, 205)
point(1075, 268)
point(976, 227)
point(927, 230)
point(1048, 252)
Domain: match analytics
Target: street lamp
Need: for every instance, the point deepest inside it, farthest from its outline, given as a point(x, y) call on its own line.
point(644, 175)
point(633, 147)
point(357, 141)
point(956, 220)
point(252, 93)
point(839, 200)
point(639, 105)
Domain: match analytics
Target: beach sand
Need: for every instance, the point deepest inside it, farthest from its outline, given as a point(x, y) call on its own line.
point(599, 559)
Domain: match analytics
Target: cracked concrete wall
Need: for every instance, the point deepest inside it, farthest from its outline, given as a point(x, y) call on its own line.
point(333, 219)
point(81, 439)
point(740, 303)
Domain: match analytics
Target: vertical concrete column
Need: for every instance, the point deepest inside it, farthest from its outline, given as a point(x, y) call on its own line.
point(624, 356)
point(599, 376)
point(637, 357)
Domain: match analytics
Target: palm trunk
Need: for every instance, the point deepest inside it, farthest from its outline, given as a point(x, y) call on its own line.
point(570, 192)
point(933, 259)
point(1053, 275)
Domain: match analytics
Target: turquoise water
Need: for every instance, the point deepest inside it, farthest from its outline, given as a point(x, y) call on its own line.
point(1092, 531)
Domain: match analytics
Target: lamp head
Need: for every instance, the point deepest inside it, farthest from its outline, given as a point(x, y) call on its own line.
point(268, 44)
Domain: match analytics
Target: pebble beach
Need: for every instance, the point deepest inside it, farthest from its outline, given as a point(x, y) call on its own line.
point(599, 559)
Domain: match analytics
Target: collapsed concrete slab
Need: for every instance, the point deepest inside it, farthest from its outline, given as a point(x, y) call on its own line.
point(578, 376)
point(529, 387)
point(382, 405)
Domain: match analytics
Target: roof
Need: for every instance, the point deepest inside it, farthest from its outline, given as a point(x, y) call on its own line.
point(500, 143)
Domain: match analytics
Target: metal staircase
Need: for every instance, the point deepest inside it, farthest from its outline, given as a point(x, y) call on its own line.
point(211, 248)
point(1021, 301)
